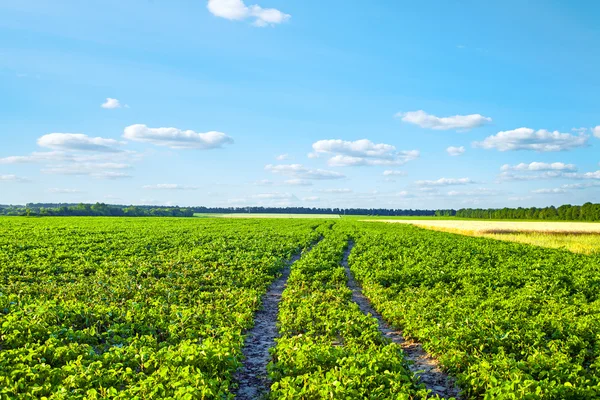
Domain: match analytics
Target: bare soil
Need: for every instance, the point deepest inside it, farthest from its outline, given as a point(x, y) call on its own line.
point(422, 364)
point(252, 377)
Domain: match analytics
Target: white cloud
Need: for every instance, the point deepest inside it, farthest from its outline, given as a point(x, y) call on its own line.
point(539, 166)
point(336, 191)
point(549, 191)
point(310, 198)
point(274, 196)
point(79, 142)
point(110, 175)
point(446, 182)
point(581, 186)
point(170, 186)
point(36, 157)
point(236, 10)
point(298, 182)
point(596, 131)
point(391, 172)
point(12, 178)
point(177, 138)
point(264, 182)
point(474, 193)
point(455, 151)
point(312, 155)
point(111, 104)
point(64, 191)
point(528, 139)
point(96, 169)
point(519, 198)
point(282, 157)
point(298, 171)
point(362, 152)
point(460, 122)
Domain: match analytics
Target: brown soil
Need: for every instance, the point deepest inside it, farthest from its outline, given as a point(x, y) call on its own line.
point(422, 364)
point(252, 377)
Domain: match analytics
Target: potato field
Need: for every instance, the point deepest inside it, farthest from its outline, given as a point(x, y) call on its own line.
point(174, 308)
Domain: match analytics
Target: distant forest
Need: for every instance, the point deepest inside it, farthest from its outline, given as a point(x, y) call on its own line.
point(586, 212)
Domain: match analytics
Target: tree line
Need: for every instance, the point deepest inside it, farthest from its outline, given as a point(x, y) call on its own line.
point(567, 212)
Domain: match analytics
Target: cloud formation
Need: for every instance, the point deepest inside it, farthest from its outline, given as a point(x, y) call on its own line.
point(64, 191)
point(176, 138)
point(12, 178)
point(539, 166)
point(111, 104)
point(299, 171)
point(549, 191)
point(596, 131)
point(236, 10)
point(282, 157)
point(391, 172)
point(79, 142)
point(455, 151)
point(529, 139)
point(362, 152)
point(429, 121)
point(446, 182)
point(170, 186)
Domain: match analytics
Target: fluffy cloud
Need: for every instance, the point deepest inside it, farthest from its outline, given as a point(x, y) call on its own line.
point(12, 178)
point(264, 182)
point(596, 131)
point(78, 142)
point(274, 196)
point(549, 191)
point(581, 186)
point(170, 186)
point(336, 191)
point(310, 198)
point(362, 152)
point(64, 191)
point(455, 151)
point(529, 139)
point(36, 157)
point(539, 166)
point(111, 104)
point(474, 193)
point(460, 122)
point(282, 157)
point(298, 182)
point(176, 138)
point(446, 182)
point(299, 171)
point(391, 172)
point(236, 10)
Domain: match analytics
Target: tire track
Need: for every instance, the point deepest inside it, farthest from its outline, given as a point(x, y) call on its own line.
point(252, 377)
point(423, 365)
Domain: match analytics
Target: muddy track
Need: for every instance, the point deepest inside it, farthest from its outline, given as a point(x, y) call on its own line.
point(252, 377)
point(423, 365)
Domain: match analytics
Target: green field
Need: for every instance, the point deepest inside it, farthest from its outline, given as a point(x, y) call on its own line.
point(155, 308)
point(256, 215)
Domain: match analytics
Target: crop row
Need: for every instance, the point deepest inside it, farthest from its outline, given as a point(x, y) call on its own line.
point(133, 308)
point(510, 321)
point(328, 348)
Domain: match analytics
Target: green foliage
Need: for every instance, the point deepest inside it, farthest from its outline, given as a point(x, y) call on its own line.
point(133, 308)
point(510, 321)
point(328, 348)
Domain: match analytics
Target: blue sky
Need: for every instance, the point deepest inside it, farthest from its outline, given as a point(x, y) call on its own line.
point(391, 104)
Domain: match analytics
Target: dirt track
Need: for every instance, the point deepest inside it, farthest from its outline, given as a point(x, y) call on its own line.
point(423, 365)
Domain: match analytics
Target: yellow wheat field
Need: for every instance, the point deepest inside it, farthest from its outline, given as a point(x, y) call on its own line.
point(579, 237)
